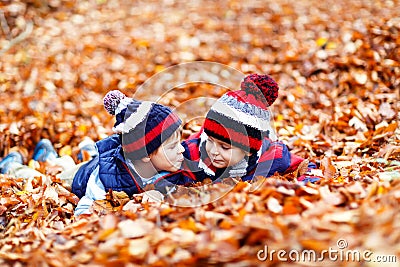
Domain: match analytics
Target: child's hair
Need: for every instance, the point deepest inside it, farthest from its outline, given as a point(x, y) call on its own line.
point(241, 118)
point(144, 125)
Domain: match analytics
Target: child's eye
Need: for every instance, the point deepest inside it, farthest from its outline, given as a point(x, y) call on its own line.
point(226, 147)
point(173, 145)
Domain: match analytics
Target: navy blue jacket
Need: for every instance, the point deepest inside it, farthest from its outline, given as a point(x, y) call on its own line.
point(113, 170)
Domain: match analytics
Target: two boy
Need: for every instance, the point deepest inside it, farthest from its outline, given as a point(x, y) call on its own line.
point(146, 148)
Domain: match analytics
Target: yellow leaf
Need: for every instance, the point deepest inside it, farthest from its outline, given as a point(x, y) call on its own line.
point(321, 41)
point(20, 193)
point(279, 117)
point(298, 127)
point(381, 190)
point(300, 91)
point(166, 211)
point(65, 150)
point(188, 224)
point(120, 194)
point(142, 43)
point(159, 68)
point(340, 179)
point(82, 128)
point(33, 164)
point(105, 233)
point(331, 45)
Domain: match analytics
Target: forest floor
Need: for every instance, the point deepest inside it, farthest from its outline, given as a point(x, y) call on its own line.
point(338, 67)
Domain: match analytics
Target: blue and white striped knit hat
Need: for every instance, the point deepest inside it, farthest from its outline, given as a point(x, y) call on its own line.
point(144, 125)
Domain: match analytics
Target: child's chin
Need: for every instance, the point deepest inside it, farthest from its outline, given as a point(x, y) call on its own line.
point(219, 165)
point(175, 168)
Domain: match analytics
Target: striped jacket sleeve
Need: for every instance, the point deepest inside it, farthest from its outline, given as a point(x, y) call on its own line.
point(276, 157)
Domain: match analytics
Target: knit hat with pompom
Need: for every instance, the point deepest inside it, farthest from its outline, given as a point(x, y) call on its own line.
point(241, 118)
point(144, 125)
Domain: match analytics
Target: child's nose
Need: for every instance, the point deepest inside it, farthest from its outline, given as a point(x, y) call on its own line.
point(181, 149)
point(214, 150)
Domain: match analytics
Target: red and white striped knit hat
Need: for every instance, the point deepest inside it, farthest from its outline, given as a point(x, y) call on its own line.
point(241, 118)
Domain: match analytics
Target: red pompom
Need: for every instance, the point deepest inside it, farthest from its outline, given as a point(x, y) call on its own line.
point(263, 87)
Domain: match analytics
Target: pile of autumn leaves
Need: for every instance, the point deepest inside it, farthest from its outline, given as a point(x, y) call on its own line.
point(38, 226)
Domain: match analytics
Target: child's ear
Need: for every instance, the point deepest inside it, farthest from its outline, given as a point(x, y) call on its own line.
point(248, 153)
point(146, 159)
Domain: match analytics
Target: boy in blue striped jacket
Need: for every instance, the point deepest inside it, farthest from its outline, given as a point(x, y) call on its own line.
point(145, 146)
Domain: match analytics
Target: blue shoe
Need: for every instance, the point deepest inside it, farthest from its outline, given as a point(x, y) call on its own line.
point(89, 146)
point(44, 151)
point(11, 157)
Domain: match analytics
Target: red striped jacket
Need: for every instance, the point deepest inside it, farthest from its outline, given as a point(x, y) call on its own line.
point(274, 157)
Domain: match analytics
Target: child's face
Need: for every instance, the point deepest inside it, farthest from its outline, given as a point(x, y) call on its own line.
point(168, 157)
point(222, 154)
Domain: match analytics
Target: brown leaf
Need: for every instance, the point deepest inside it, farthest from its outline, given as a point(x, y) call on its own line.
point(389, 149)
point(327, 168)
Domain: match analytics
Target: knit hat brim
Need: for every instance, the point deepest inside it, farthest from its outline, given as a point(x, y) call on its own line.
point(231, 106)
point(154, 131)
